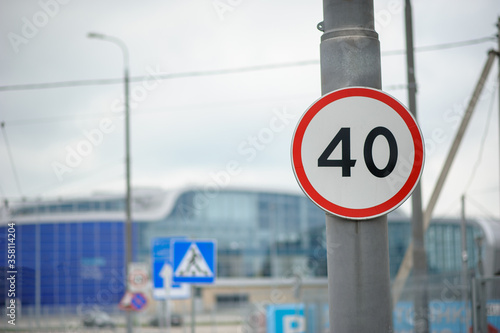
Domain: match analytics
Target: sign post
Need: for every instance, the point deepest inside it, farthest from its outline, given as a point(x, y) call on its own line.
point(194, 262)
point(135, 298)
point(166, 274)
point(344, 162)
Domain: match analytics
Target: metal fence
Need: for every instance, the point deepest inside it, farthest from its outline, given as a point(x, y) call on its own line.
point(281, 307)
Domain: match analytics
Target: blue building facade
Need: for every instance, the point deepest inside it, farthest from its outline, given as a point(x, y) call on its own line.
point(75, 263)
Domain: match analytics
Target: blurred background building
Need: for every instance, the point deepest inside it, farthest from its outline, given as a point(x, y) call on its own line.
point(77, 245)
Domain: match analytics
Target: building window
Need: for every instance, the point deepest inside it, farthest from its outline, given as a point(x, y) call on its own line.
point(83, 206)
point(265, 212)
point(114, 205)
point(67, 208)
point(184, 207)
point(231, 300)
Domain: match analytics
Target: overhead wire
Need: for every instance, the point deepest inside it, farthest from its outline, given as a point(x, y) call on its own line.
point(76, 83)
point(110, 81)
point(480, 155)
point(165, 76)
point(483, 209)
point(483, 141)
point(442, 46)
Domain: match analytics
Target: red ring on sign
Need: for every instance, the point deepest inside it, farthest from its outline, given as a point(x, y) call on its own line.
point(358, 213)
point(132, 278)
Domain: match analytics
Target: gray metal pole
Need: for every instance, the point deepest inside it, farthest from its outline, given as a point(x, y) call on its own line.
point(475, 321)
point(465, 269)
point(128, 200)
point(482, 318)
point(358, 253)
point(193, 308)
point(420, 297)
point(128, 222)
point(498, 55)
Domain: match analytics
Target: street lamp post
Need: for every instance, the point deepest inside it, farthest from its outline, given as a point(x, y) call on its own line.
point(128, 219)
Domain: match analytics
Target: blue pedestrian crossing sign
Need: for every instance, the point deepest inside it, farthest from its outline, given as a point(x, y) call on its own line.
point(194, 261)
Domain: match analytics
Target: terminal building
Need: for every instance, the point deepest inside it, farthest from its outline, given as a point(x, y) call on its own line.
point(71, 252)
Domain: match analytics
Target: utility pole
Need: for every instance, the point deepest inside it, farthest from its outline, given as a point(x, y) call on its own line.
point(358, 253)
point(420, 298)
point(407, 263)
point(128, 199)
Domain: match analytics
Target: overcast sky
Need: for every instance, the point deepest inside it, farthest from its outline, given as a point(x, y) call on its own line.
point(237, 127)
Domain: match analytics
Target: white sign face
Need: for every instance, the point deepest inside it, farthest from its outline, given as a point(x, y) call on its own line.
point(193, 264)
point(138, 276)
point(357, 153)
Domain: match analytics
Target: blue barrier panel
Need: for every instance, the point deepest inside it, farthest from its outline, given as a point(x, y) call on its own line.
point(444, 317)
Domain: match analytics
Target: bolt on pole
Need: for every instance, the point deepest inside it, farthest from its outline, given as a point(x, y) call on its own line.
point(358, 252)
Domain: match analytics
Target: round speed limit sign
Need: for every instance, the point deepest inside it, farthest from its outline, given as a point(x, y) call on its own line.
point(357, 153)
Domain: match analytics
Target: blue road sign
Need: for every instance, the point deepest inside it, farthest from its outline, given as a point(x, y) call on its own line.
point(162, 255)
point(290, 318)
point(194, 261)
